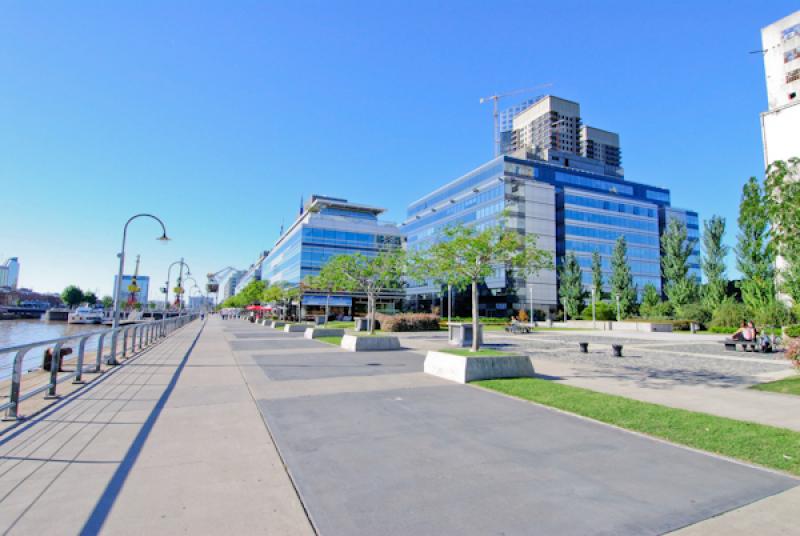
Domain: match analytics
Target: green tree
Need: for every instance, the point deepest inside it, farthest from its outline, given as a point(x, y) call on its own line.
point(650, 296)
point(597, 275)
point(466, 256)
point(90, 297)
point(107, 301)
point(370, 275)
point(622, 287)
point(72, 296)
point(755, 254)
point(714, 252)
point(570, 286)
point(782, 196)
point(251, 293)
point(676, 248)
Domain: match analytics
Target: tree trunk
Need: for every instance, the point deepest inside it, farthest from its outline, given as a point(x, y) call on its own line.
point(475, 319)
point(371, 313)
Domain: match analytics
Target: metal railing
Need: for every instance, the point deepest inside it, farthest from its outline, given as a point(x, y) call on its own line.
point(140, 336)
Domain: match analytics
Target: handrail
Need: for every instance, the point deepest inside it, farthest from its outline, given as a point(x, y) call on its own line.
point(146, 334)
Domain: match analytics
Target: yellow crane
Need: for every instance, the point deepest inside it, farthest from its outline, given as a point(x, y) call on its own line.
point(496, 98)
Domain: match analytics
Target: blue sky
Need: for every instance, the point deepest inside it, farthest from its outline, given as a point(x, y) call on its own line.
point(219, 116)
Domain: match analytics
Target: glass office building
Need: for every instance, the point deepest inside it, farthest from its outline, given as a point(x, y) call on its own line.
point(570, 210)
point(328, 227)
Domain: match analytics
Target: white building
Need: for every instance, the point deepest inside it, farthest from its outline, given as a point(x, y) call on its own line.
point(9, 273)
point(780, 124)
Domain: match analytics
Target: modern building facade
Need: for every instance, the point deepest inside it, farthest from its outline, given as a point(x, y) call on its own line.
point(560, 196)
point(228, 283)
point(9, 273)
point(253, 273)
point(780, 124)
point(327, 227)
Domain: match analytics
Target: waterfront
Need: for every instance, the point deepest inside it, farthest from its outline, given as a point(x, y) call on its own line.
point(14, 332)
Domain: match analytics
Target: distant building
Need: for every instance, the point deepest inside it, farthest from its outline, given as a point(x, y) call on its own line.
point(780, 124)
point(142, 281)
point(201, 302)
point(9, 273)
point(251, 274)
point(228, 283)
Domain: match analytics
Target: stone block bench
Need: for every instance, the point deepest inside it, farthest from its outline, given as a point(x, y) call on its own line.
point(465, 369)
point(313, 333)
point(732, 344)
point(379, 343)
point(295, 328)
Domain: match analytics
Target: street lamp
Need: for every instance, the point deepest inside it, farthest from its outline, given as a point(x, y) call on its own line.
point(121, 255)
point(169, 271)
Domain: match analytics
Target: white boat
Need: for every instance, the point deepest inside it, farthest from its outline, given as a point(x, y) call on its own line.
point(85, 315)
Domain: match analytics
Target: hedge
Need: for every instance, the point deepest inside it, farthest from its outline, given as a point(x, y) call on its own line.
point(408, 322)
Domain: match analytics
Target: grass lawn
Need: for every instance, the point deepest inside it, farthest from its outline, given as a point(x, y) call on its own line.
point(339, 324)
point(482, 352)
point(336, 341)
point(777, 448)
point(789, 386)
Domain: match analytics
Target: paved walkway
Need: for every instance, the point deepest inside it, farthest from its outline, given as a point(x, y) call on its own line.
point(175, 441)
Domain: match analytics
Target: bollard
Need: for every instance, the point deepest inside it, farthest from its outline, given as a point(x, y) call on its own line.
point(617, 349)
point(584, 347)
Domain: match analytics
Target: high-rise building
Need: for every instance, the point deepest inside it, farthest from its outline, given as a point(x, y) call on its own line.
point(572, 203)
point(253, 273)
point(780, 124)
point(9, 273)
point(227, 284)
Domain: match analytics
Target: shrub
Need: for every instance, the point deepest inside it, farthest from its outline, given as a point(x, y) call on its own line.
point(659, 311)
point(723, 329)
point(694, 312)
point(793, 331)
point(603, 311)
point(774, 314)
point(728, 313)
point(792, 352)
point(408, 322)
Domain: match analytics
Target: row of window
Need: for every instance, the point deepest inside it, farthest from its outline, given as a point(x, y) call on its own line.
point(346, 238)
point(333, 211)
point(454, 189)
point(595, 184)
point(639, 282)
point(612, 206)
point(454, 208)
point(316, 257)
point(637, 267)
point(607, 234)
point(607, 249)
point(479, 214)
point(617, 221)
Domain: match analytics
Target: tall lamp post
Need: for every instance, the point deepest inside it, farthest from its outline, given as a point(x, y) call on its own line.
point(169, 271)
point(118, 284)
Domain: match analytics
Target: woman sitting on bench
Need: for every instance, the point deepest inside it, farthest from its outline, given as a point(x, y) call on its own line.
point(744, 333)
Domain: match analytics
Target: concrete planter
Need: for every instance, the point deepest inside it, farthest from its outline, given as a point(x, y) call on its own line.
point(277, 324)
point(355, 343)
point(662, 327)
point(462, 369)
point(295, 328)
point(313, 333)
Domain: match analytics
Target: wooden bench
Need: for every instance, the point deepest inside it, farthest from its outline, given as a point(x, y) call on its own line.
point(731, 344)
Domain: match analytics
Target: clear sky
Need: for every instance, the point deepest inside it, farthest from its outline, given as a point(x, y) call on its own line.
point(219, 116)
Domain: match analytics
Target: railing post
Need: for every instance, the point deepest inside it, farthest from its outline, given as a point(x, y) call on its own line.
point(99, 360)
point(141, 336)
point(55, 364)
point(79, 364)
point(12, 413)
point(114, 336)
point(125, 342)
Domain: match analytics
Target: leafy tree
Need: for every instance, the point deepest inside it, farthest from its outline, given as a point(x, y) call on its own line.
point(72, 296)
point(755, 254)
point(327, 281)
point(466, 256)
point(676, 248)
point(713, 263)
point(782, 197)
point(90, 297)
point(107, 301)
point(570, 286)
point(597, 275)
point(650, 296)
point(251, 293)
point(622, 286)
point(370, 275)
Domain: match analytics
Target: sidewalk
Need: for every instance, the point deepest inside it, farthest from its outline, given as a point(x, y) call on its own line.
point(171, 442)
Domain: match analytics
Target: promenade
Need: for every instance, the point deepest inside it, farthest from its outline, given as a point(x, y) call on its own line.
point(236, 428)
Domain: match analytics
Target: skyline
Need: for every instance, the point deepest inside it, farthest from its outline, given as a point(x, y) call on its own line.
point(169, 112)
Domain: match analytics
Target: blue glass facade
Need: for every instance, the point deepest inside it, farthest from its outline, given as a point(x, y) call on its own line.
point(589, 212)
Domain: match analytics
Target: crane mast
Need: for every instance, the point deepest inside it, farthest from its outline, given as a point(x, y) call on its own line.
point(495, 112)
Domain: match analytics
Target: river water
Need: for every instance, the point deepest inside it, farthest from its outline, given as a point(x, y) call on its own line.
point(16, 332)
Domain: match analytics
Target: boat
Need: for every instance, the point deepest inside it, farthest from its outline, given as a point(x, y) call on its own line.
point(85, 315)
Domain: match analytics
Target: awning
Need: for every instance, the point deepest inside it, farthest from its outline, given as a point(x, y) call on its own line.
point(334, 301)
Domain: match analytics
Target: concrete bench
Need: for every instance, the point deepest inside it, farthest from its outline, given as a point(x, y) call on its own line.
point(518, 328)
point(731, 344)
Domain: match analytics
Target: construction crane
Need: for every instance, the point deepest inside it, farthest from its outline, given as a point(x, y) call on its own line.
point(496, 98)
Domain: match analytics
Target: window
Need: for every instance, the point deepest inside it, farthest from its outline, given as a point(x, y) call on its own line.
point(657, 196)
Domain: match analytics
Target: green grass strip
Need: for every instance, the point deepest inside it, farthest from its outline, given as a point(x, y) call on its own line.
point(336, 341)
point(769, 446)
point(787, 386)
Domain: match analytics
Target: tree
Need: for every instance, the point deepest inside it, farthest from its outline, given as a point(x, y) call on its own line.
point(326, 281)
point(650, 296)
point(252, 293)
point(90, 297)
point(782, 197)
point(713, 263)
point(370, 275)
point(107, 301)
point(72, 296)
point(570, 286)
point(465, 256)
point(676, 248)
point(755, 254)
point(597, 275)
point(622, 287)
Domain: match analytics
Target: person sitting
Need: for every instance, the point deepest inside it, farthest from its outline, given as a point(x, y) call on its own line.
point(743, 333)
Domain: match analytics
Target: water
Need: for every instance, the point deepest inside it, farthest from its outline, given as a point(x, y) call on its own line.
point(16, 332)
